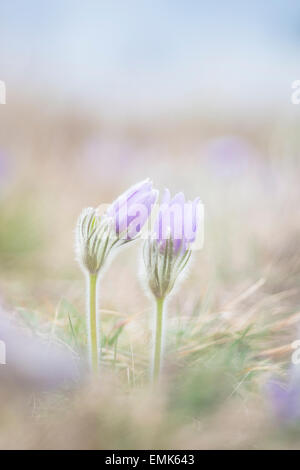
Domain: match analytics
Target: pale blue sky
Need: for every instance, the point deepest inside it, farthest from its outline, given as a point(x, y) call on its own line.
point(146, 57)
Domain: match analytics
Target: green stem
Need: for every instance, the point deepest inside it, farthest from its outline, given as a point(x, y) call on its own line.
point(92, 323)
point(158, 340)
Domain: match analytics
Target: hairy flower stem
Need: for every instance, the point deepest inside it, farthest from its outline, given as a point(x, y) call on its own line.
point(158, 340)
point(92, 322)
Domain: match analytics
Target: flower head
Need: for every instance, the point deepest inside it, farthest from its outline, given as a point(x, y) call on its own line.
point(131, 210)
point(167, 252)
point(97, 234)
point(94, 240)
point(178, 220)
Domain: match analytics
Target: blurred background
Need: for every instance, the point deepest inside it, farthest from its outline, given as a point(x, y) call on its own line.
point(197, 96)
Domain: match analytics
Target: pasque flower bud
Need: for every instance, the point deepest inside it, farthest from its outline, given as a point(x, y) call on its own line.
point(94, 239)
point(121, 223)
point(168, 251)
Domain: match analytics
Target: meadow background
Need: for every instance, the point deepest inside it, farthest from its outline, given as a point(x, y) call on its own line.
point(197, 97)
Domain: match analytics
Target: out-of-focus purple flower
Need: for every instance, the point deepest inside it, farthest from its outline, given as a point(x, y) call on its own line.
point(131, 210)
point(110, 152)
point(31, 364)
point(229, 156)
point(285, 398)
point(177, 220)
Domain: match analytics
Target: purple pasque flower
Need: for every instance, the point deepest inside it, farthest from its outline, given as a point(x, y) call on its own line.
point(130, 211)
point(285, 398)
point(98, 234)
point(168, 251)
point(177, 220)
